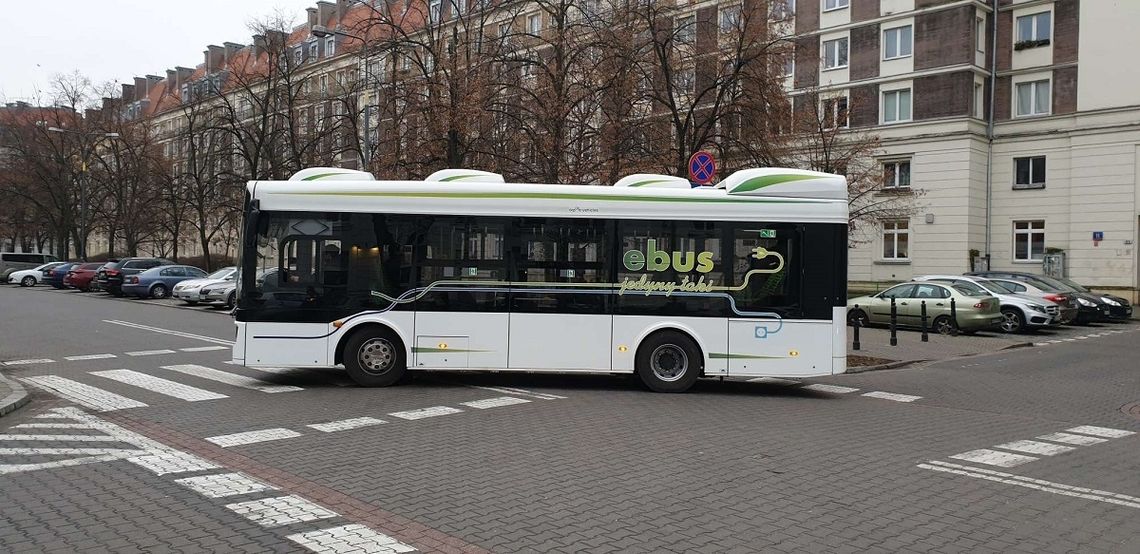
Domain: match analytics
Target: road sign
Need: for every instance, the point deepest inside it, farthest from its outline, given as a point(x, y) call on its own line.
point(702, 167)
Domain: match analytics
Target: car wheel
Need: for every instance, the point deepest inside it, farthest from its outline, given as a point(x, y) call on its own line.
point(158, 291)
point(859, 316)
point(1012, 321)
point(375, 358)
point(191, 302)
point(28, 281)
point(668, 361)
point(231, 299)
point(942, 325)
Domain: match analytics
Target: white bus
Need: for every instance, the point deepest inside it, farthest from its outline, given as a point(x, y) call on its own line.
point(463, 271)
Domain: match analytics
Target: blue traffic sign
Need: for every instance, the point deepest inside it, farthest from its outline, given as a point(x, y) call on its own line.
point(702, 167)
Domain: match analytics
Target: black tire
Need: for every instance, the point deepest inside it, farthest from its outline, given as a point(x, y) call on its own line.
point(28, 281)
point(159, 291)
point(941, 325)
point(375, 357)
point(1013, 322)
point(668, 361)
point(191, 302)
point(231, 299)
point(857, 314)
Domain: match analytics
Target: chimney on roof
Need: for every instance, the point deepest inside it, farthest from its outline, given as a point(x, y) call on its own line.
point(171, 79)
point(215, 55)
point(128, 92)
point(312, 16)
point(275, 40)
point(151, 82)
point(258, 45)
point(182, 74)
point(325, 11)
point(140, 88)
point(232, 48)
point(341, 10)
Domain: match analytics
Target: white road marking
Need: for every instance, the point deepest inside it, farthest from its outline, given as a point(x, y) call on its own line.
point(30, 362)
point(1036, 484)
point(281, 510)
point(1105, 432)
point(89, 357)
point(830, 388)
point(892, 396)
point(426, 412)
point(1036, 447)
point(251, 437)
point(349, 538)
point(203, 348)
point(495, 402)
point(61, 451)
point(53, 426)
point(346, 424)
point(222, 485)
point(774, 381)
point(169, 332)
point(19, 468)
point(68, 438)
point(1069, 438)
point(230, 378)
point(149, 352)
point(159, 385)
point(49, 415)
point(993, 457)
point(522, 392)
point(163, 463)
point(84, 395)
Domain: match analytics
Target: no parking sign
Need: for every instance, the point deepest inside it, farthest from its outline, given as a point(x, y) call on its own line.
point(702, 167)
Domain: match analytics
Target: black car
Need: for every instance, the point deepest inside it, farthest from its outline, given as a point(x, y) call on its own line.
point(1092, 307)
point(110, 277)
point(1118, 307)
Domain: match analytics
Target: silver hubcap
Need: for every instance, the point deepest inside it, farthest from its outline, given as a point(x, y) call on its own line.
point(943, 326)
point(159, 292)
point(1010, 323)
point(376, 356)
point(669, 362)
point(29, 281)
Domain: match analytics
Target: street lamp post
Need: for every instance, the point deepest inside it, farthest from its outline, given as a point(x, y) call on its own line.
point(84, 153)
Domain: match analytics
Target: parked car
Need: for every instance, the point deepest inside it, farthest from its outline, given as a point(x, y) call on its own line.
point(94, 286)
point(1020, 313)
point(31, 277)
point(224, 292)
point(1069, 306)
point(1118, 307)
point(54, 276)
point(190, 290)
point(110, 278)
point(974, 310)
point(157, 282)
point(81, 275)
point(1090, 307)
point(15, 261)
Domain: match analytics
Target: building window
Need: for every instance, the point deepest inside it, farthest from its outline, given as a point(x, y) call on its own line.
point(896, 105)
point(686, 29)
point(533, 23)
point(979, 101)
point(330, 47)
point(458, 6)
point(835, 112)
point(313, 47)
point(896, 175)
point(298, 55)
point(896, 240)
point(782, 9)
point(324, 84)
point(1033, 30)
point(835, 53)
point(897, 42)
point(434, 11)
point(1033, 98)
point(829, 5)
point(1028, 240)
point(686, 82)
point(729, 19)
point(980, 34)
point(1029, 173)
point(504, 29)
point(789, 64)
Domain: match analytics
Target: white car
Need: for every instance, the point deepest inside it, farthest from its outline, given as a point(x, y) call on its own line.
point(30, 277)
point(1019, 312)
point(190, 291)
point(225, 292)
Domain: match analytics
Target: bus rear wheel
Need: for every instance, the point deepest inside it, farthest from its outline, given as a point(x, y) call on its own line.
point(375, 358)
point(668, 361)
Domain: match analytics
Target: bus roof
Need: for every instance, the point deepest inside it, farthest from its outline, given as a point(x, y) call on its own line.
point(765, 194)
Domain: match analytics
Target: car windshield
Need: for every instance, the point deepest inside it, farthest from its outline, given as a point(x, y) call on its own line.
point(970, 289)
point(1052, 284)
point(221, 273)
point(1071, 284)
point(996, 287)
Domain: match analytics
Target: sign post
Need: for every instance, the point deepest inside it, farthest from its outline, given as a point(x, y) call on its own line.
point(702, 167)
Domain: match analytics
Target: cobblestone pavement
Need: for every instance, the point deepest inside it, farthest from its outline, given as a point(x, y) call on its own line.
point(140, 437)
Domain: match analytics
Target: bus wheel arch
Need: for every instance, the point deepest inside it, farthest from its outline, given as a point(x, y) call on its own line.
point(669, 359)
point(373, 354)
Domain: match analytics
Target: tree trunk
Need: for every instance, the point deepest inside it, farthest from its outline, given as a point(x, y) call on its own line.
point(205, 245)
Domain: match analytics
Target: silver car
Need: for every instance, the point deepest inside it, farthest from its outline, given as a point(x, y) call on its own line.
point(190, 291)
point(224, 292)
point(1019, 312)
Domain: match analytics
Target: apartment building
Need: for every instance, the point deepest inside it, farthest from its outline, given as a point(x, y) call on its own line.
point(1055, 171)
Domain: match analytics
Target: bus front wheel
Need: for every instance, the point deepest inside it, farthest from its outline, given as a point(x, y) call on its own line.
point(375, 358)
point(668, 361)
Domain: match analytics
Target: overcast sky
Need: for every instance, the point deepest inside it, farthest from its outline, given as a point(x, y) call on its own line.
point(116, 40)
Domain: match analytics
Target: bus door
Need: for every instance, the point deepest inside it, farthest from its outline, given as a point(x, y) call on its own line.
point(560, 316)
point(461, 317)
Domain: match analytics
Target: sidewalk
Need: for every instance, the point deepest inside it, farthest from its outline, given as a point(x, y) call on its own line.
point(12, 395)
point(875, 342)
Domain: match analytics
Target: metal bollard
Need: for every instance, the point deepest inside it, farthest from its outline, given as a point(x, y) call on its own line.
point(925, 336)
point(855, 323)
point(953, 319)
point(894, 323)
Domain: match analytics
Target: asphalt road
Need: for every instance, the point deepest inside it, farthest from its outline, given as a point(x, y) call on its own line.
point(147, 440)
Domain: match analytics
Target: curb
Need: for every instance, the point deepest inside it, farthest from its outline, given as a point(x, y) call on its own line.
point(889, 365)
point(15, 399)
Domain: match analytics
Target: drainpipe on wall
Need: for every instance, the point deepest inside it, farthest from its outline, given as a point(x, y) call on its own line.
point(990, 134)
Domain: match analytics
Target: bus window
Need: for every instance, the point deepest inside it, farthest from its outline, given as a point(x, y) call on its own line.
point(763, 269)
point(664, 268)
point(300, 262)
point(455, 250)
point(556, 252)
